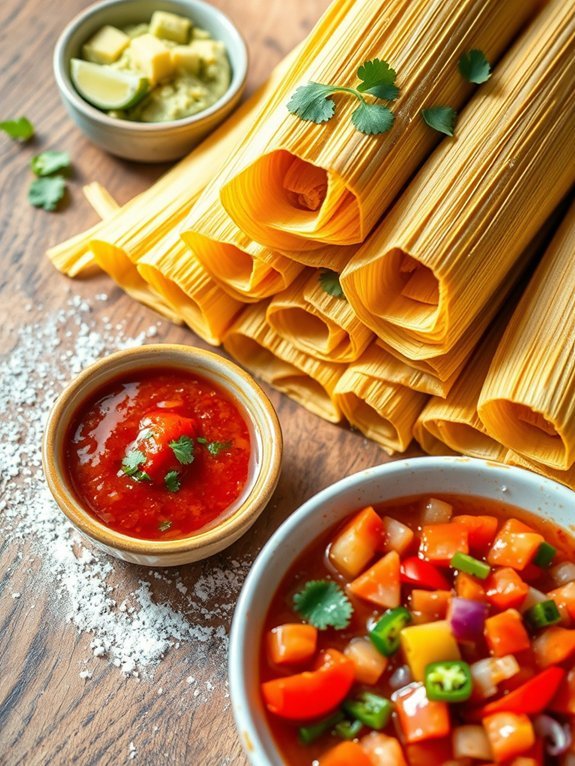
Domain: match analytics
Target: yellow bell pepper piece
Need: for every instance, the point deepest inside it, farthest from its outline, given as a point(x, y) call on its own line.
point(423, 644)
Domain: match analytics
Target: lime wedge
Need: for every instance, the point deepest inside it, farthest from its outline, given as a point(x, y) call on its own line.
point(107, 88)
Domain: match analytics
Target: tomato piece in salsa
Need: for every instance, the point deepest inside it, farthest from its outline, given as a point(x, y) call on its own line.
point(158, 454)
point(450, 627)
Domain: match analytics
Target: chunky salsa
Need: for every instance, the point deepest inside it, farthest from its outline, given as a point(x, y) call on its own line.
point(428, 632)
point(158, 454)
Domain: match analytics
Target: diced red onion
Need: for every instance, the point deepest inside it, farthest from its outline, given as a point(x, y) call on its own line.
point(563, 573)
point(557, 736)
point(467, 618)
point(401, 676)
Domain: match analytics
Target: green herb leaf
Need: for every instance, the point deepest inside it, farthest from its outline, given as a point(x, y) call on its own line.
point(329, 281)
point(474, 67)
point(323, 604)
point(372, 119)
point(172, 481)
point(378, 79)
point(47, 163)
point(311, 102)
point(440, 118)
point(132, 462)
point(163, 526)
point(214, 448)
point(47, 192)
point(183, 449)
point(20, 129)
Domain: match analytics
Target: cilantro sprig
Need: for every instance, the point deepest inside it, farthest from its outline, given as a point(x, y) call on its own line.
point(49, 162)
point(323, 604)
point(183, 449)
point(440, 118)
point(214, 448)
point(172, 481)
point(474, 67)
point(164, 526)
point(330, 284)
point(131, 465)
point(313, 101)
point(20, 129)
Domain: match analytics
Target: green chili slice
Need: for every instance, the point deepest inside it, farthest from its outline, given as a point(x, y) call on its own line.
point(545, 555)
point(371, 709)
point(448, 681)
point(542, 615)
point(310, 733)
point(348, 729)
point(469, 565)
point(385, 635)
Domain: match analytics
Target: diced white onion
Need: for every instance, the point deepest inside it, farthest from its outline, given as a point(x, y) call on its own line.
point(533, 597)
point(471, 742)
point(400, 677)
point(436, 512)
point(396, 536)
point(563, 573)
point(491, 671)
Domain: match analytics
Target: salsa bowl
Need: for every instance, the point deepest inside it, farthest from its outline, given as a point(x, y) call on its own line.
point(426, 476)
point(263, 460)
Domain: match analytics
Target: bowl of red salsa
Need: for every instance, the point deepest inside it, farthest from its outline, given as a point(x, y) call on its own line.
point(421, 613)
point(164, 454)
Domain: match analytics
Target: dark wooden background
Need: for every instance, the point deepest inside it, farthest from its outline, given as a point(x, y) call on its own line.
point(48, 713)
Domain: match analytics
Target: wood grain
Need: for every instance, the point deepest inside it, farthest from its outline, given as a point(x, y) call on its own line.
point(48, 714)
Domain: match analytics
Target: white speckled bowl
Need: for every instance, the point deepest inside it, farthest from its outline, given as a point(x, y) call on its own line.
point(147, 142)
point(403, 478)
point(265, 460)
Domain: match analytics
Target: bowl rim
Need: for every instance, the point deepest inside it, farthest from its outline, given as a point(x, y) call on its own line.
point(240, 65)
point(258, 409)
point(243, 628)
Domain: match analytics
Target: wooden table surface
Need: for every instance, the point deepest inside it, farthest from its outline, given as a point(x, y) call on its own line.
point(49, 714)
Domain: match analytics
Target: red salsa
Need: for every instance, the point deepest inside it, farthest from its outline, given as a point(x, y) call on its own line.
point(158, 454)
point(425, 632)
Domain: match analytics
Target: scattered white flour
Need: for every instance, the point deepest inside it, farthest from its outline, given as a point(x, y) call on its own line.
point(133, 618)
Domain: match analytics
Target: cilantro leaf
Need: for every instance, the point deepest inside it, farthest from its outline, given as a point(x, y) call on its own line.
point(311, 102)
point(172, 481)
point(47, 192)
point(329, 281)
point(372, 119)
point(163, 526)
point(323, 604)
point(474, 67)
point(183, 449)
point(214, 448)
point(378, 79)
point(47, 163)
point(440, 118)
point(132, 462)
point(20, 129)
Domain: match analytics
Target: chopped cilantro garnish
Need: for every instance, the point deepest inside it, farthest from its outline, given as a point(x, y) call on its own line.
point(313, 101)
point(20, 129)
point(440, 118)
point(323, 604)
point(183, 449)
point(474, 67)
point(163, 526)
point(132, 462)
point(329, 281)
point(47, 192)
point(47, 163)
point(214, 448)
point(172, 481)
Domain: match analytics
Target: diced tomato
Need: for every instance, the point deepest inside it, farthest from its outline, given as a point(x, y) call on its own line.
point(440, 542)
point(505, 589)
point(380, 584)
point(383, 750)
point(157, 431)
point(291, 643)
point(414, 571)
point(564, 597)
point(553, 646)
point(357, 543)
point(509, 735)
point(467, 586)
point(346, 754)
point(515, 545)
point(564, 701)
point(481, 531)
point(530, 698)
point(419, 717)
point(431, 603)
point(369, 664)
point(396, 536)
point(506, 634)
point(429, 753)
point(312, 693)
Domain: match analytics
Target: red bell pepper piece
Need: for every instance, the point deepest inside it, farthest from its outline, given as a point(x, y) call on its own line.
point(414, 571)
point(530, 698)
point(313, 693)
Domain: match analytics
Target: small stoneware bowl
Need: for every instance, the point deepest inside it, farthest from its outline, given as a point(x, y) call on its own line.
point(147, 142)
point(400, 479)
point(265, 460)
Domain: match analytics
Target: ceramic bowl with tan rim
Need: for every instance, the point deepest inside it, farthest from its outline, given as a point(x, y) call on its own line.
point(264, 462)
point(147, 141)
